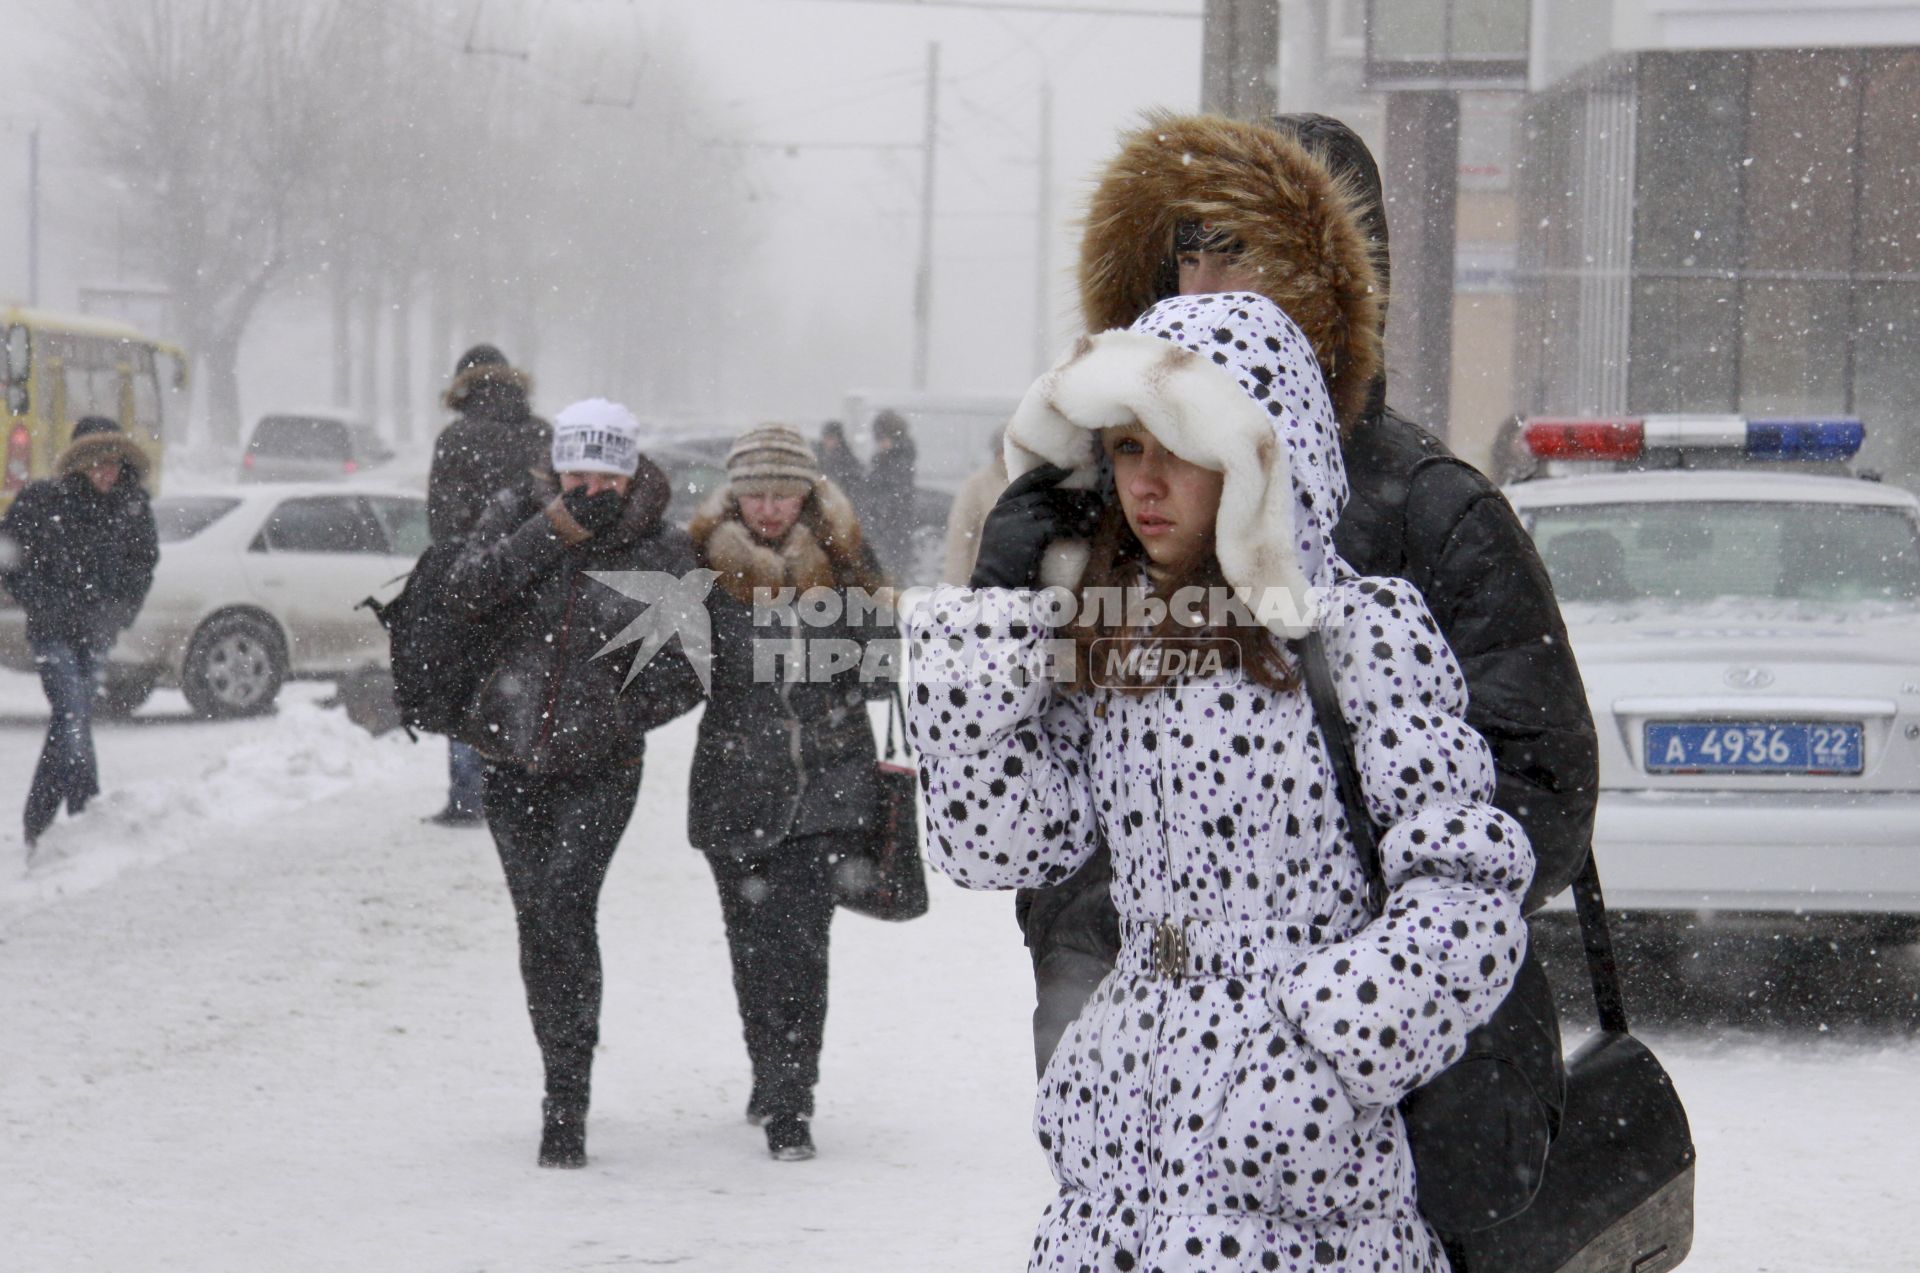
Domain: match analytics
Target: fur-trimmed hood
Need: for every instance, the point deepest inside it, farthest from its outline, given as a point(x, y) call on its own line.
point(484, 387)
point(825, 548)
point(1228, 382)
point(85, 452)
point(1300, 228)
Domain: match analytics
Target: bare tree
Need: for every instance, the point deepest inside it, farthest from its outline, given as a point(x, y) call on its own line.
point(217, 116)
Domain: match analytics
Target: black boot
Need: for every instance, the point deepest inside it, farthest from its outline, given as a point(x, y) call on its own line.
point(789, 1139)
point(563, 1140)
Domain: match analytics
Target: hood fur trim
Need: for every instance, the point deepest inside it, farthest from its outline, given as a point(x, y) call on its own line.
point(486, 374)
point(1196, 410)
point(823, 550)
point(83, 453)
point(1300, 228)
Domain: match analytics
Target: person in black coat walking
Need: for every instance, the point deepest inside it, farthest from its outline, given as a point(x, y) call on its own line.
point(887, 500)
point(783, 771)
point(85, 548)
point(562, 728)
point(495, 443)
point(1214, 216)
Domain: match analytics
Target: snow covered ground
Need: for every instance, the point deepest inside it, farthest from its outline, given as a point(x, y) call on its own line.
point(255, 1015)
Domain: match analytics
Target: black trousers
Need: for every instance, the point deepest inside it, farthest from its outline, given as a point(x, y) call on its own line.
point(778, 910)
point(556, 834)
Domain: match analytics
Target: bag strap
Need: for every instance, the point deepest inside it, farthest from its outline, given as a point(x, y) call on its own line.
point(1311, 653)
point(1588, 901)
point(895, 708)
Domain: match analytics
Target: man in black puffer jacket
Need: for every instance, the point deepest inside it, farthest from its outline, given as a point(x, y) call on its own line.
point(562, 729)
point(85, 549)
point(496, 443)
point(1185, 208)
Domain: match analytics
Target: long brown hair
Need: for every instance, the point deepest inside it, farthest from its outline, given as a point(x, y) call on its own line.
point(1117, 563)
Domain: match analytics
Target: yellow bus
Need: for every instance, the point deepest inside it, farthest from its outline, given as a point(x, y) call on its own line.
point(57, 368)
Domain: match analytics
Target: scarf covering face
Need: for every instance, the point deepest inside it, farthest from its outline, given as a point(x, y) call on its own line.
point(1225, 381)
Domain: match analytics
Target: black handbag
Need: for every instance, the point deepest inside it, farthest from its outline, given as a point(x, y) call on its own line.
point(1614, 1193)
point(885, 878)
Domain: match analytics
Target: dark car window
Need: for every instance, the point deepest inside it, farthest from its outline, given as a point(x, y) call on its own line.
point(183, 517)
point(323, 524)
point(297, 437)
point(406, 523)
point(1695, 551)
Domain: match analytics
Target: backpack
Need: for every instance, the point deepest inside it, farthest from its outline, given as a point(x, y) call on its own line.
point(438, 656)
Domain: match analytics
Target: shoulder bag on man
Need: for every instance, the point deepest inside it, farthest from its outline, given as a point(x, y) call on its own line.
point(1616, 1191)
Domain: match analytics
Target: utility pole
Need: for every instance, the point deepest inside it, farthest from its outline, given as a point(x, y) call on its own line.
point(33, 215)
point(923, 273)
point(1240, 59)
point(1043, 253)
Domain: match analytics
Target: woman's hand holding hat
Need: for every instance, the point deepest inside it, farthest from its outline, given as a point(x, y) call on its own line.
point(1030, 514)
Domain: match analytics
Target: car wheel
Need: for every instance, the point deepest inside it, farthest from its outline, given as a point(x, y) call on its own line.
point(235, 666)
point(122, 691)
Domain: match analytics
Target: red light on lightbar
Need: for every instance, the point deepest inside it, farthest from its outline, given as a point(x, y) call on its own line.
point(1585, 439)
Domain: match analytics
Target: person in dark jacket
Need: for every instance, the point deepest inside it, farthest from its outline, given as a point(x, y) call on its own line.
point(838, 463)
point(85, 549)
point(495, 442)
point(1197, 204)
point(783, 772)
point(887, 499)
point(562, 731)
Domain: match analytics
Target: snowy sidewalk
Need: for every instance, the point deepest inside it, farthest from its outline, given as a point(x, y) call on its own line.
point(258, 1017)
point(303, 1046)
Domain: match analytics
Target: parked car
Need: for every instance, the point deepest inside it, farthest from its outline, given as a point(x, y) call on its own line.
point(255, 586)
point(311, 447)
point(1747, 640)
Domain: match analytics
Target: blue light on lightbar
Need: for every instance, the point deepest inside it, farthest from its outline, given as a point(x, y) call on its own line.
point(1804, 439)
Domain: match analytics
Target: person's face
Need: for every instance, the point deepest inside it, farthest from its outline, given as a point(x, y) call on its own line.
point(105, 475)
point(596, 482)
point(1169, 502)
point(770, 517)
point(1203, 272)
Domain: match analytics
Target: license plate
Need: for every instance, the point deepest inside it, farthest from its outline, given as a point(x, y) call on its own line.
point(1757, 747)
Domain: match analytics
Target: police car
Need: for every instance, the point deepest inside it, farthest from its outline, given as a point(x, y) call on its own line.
point(1750, 640)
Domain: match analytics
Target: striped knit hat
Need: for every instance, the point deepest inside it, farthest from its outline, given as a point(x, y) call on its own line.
point(771, 460)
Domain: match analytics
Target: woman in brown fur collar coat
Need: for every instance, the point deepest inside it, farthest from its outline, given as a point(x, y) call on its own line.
point(782, 781)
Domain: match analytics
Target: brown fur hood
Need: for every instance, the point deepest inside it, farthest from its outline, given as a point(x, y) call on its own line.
point(83, 453)
point(484, 381)
point(825, 549)
point(1300, 227)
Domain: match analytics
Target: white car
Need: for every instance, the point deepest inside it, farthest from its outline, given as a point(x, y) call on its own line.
point(255, 586)
point(1750, 643)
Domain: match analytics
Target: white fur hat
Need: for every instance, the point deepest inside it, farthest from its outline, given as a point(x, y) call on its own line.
point(1225, 381)
point(596, 436)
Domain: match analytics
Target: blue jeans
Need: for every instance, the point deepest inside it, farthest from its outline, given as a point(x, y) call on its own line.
point(68, 771)
point(466, 772)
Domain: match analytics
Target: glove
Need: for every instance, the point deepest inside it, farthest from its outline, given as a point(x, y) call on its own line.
point(1030, 514)
point(594, 513)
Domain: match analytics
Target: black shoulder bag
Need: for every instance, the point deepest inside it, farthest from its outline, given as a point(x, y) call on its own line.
point(886, 878)
point(1616, 1193)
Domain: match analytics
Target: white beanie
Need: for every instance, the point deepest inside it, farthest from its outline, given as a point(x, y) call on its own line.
point(596, 436)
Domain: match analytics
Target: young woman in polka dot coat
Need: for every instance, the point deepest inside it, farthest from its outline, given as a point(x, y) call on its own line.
point(1227, 1099)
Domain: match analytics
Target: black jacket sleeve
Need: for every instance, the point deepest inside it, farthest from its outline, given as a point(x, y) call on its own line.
point(452, 500)
point(1483, 580)
point(513, 544)
point(139, 555)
